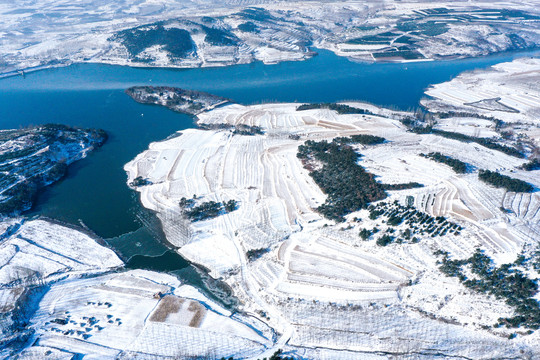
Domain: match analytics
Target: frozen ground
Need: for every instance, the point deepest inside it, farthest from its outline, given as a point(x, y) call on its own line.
point(507, 91)
point(36, 250)
point(176, 33)
point(140, 314)
point(330, 294)
point(59, 298)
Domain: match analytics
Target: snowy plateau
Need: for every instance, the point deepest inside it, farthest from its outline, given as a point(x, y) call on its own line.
point(441, 260)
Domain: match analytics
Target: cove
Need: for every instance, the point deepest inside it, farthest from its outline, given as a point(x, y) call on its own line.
point(94, 192)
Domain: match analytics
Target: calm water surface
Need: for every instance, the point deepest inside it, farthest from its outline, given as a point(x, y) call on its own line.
point(90, 95)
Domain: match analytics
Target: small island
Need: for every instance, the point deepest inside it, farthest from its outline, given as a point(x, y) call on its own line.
point(180, 100)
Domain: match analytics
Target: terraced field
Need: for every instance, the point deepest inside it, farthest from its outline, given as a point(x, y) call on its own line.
point(314, 268)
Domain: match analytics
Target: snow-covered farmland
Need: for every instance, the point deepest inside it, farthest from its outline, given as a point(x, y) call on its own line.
point(70, 295)
point(139, 314)
point(37, 250)
point(356, 293)
point(507, 91)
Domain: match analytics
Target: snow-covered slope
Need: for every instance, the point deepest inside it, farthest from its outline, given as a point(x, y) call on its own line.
point(319, 284)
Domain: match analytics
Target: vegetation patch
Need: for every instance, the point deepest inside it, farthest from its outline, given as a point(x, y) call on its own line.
point(339, 108)
point(489, 143)
point(256, 14)
point(428, 28)
point(503, 181)
point(458, 166)
point(534, 164)
point(362, 139)
point(239, 129)
point(402, 186)
point(254, 254)
point(206, 210)
point(140, 181)
point(505, 282)
point(334, 167)
point(404, 54)
point(219, 37)
point(348, 186)
point(378, 39)
point(406, 224)
point(248, 27)
point(176, 41)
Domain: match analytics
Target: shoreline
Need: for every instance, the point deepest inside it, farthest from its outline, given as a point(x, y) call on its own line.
point(15, 73)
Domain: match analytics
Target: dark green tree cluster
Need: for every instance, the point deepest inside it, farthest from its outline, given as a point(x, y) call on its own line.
point(256, 14)
point(489, 143)
point(504, 282)
point(403, 186)
point(177, 42)
point(254, 254)
point(416, 222)
point(206, 210)
point(534, 164)
point(404, 52)
point(19, 197)
point(239, 129)
point(140, 181)
point(429, 28)
point(362, 139)
point(503, 181)
point(219, 37)
point(381, 38)
point(242, 129)
point(365, 234)
point(458, 166)
point(348, 186)
point(248, 27)
point(386, 239)
point(449, 114)
point(339, 108)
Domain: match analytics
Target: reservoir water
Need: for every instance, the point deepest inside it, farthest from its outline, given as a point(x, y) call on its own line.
point(95, 193)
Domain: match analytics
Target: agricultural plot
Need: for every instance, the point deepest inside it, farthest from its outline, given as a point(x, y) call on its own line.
point(307, 266)
point(412, 34)
point(37, 250)
point(512, 84)
point(60, 286)
point(136, 313)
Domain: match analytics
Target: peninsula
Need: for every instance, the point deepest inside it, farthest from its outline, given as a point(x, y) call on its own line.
point(38, 156)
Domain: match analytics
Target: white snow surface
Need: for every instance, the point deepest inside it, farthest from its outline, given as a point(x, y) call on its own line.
point(48, 33)
point(506, 91)
point(40, 249)
point(320, 285)
point(137, 313)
